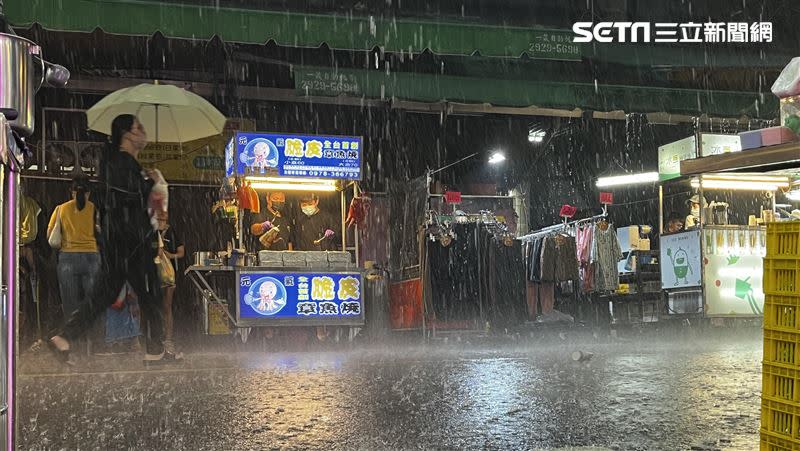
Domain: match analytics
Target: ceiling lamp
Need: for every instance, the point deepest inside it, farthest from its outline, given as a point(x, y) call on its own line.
point(292, 184)
point(630, 179)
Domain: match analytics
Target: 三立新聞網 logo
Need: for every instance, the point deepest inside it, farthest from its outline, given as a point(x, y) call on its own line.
point(689, 32)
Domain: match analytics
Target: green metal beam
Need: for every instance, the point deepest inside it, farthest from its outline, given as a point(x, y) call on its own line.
point(145, 17)
point(522, 93)
point(291, 29)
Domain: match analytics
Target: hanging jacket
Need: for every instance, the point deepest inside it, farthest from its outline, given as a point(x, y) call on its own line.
point(606, 254)
point(567, 259)
point(549, 259)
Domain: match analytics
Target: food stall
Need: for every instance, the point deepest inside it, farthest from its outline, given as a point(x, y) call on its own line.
point(256, 287)
point(715, 268)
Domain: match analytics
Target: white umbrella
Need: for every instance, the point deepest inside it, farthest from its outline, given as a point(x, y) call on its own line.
point(168, 113)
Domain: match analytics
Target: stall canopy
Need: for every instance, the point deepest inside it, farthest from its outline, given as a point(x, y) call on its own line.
point(203, 20)
point(196, 21)
point(663, 70)
point(765, 159)
point(523, 93)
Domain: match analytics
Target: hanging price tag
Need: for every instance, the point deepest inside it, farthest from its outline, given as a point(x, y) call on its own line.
point(452, 197)
point(567, 211)
point(606, 198)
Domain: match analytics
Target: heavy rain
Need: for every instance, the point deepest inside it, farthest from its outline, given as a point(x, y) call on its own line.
point(385, 224)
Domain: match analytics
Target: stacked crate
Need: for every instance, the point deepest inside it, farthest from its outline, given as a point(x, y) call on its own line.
point(780, 395)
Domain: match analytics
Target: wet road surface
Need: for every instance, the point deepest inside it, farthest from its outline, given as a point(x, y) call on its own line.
point(671, 395)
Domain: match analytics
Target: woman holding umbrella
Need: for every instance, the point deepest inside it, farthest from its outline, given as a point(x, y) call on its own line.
point(130, 245)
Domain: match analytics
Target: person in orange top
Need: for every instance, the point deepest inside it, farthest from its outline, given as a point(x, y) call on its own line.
point(79, 259)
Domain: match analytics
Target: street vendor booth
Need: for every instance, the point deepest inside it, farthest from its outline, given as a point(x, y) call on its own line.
point(715, 201)
point(290, 262)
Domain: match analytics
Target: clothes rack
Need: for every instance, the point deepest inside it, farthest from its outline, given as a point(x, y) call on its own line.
point(565, 224)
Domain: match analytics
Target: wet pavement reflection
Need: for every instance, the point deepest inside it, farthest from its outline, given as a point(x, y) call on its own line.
point(687, 394)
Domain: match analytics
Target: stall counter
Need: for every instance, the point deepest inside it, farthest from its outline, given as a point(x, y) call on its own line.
point(727, 267)
point(321, 293)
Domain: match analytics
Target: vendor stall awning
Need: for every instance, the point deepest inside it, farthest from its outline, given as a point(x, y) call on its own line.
point(524, 93)
point(292, 29)
point(202, 21)
point(765, 159)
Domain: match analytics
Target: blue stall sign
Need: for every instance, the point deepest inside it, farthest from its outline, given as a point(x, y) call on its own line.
point(266, 297)
point(286, 155)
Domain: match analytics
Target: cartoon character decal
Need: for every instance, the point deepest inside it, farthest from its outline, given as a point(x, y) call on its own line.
point(260, 153)
point(680, 265)
point(267, 296)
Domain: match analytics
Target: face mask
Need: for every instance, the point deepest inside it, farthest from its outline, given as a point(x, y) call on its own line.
point(138, 138)
point(309, 210)
point(695, 211)
point(278, 206)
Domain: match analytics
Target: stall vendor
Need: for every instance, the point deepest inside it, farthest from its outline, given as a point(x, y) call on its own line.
point(674, 223)
point(314, 227)
point(274, 228)
point(693, 220)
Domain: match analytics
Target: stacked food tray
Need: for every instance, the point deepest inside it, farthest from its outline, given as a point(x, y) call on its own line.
point(295, 259)
point(306, 259)
point(270, 258)
point(780, 394)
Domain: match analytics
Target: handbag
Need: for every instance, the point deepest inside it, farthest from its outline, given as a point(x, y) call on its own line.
point(55, 235)
point(165, 270)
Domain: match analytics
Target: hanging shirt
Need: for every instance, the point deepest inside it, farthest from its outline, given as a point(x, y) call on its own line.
point(535, 260)
point(29, 221)
point(255, 205)
point(584, 238)
point(606, 254)
point(566, 258)
point(549, 258)
point(243, 196)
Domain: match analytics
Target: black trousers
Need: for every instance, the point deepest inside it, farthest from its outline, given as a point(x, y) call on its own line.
point(137, 267)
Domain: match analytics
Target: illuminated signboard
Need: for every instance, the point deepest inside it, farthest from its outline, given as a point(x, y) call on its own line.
point(287, 155)
point(681, 260)
point(734, 269)
point(300, 298)
point(670, 157)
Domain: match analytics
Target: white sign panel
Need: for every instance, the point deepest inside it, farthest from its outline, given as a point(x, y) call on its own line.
point(733, 285)
point(670, 157)
point(734, 271)
point(716, 144)
point(681, 260)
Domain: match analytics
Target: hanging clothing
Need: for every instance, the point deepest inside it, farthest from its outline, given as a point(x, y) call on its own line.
point(548, 260)
point(454, 273)
point(584, 239)
point(567, 258)
point(543, 294)
point(29, 221)
point(243, 196)
point(501, 273)
point(606, 254)
point(535, 260)
point(255, 204)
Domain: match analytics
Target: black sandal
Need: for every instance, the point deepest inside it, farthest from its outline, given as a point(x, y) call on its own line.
point(62, 356)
